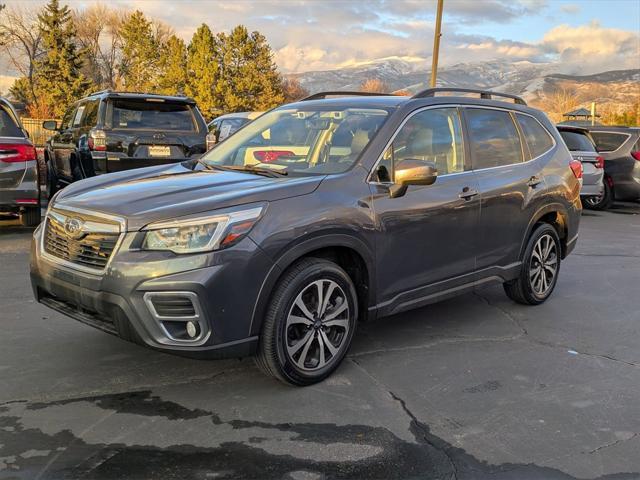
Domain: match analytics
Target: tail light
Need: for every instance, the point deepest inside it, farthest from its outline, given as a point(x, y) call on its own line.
point(267, 156)
point(10, 152)
point(599, 162)
point(576, 168)
point(97, 140)
point(636, 155)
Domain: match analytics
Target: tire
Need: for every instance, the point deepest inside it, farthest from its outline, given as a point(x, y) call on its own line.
point(52, 181)
point(530, 288)
point(293, 343)
point(602, 202)
point(30, 217)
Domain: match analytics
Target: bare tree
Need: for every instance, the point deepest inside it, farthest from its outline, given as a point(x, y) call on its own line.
point(293, 91)
point(98, 32)
point(21, 40)
point(374, 85)
point(559, 101)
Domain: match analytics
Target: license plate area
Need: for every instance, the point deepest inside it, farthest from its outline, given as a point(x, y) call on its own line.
point(159, 151)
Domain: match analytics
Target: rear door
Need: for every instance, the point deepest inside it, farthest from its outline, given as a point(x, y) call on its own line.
point(143, 132)
point(509, 177)
point(11, 171)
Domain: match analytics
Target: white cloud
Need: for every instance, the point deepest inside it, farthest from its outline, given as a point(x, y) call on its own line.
point(592, 47)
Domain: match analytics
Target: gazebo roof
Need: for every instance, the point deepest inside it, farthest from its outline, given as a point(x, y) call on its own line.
point(580, 112)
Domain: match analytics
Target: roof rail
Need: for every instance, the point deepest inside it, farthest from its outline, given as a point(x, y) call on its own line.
point(106, 90)
point(322, 95)
point(486, 94)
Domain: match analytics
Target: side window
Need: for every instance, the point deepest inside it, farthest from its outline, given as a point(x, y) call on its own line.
point(78, 116)
point(493, 137)
point(608, 142)
point(433, 136)
point(90, 113)
point(538, 139)
point(68, 117)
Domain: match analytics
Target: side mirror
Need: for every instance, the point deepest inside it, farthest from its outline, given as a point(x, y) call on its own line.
point(425, 174)
point(50, 125)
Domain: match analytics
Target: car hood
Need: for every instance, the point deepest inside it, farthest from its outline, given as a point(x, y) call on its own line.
point(164, 192)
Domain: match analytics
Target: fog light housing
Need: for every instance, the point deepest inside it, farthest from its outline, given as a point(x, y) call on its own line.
point(192, 329)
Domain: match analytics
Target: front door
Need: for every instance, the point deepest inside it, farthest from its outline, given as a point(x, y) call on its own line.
point(426, 238)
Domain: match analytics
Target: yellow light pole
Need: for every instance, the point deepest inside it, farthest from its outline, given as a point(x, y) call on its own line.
point(436, 44)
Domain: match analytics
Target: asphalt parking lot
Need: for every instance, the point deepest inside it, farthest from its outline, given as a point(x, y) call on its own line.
point(472, 388)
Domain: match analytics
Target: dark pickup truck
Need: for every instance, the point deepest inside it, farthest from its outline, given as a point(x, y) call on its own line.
point(114, 131)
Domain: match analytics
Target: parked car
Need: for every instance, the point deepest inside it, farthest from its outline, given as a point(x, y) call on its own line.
point(620, 147)
point(434, 196)
point(114, 131)
point(225, 125)
point(19, 190)
point(583, 149)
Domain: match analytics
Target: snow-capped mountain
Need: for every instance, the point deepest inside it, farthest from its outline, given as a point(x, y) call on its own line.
point(524, 78)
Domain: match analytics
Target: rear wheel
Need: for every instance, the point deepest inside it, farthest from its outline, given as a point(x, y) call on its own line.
point(30, 217)
point(540, 268)
point(602, 202)
point(309, 324)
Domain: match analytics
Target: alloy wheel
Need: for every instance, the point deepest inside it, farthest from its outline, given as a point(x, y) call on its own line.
point(543, 265)
point(317, 325)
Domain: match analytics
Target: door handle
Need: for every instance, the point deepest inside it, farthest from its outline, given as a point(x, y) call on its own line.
point(468, 193)
point(534, 181)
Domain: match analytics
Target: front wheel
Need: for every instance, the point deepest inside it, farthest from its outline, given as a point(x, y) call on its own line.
point(309, 323)
point(539, 270)
point(52, 181)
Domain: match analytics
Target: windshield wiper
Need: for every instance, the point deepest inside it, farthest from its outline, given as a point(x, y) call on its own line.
point(268, 172)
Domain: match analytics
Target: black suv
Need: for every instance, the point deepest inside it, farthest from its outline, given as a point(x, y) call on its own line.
point(113, 131)
point(312, 217)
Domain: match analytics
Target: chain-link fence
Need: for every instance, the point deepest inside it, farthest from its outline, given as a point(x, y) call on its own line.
point(37, 134)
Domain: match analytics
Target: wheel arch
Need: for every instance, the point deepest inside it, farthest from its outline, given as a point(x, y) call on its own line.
point(350, 253)
point(557, 216)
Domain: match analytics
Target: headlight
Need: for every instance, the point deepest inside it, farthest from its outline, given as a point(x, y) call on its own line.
point(201, 234)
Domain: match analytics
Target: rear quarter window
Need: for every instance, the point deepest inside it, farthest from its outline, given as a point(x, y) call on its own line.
point(149, 115)
point(494, 139)
point(577, 142)
point(538, 139)
point(8, 127)
point(607, 141)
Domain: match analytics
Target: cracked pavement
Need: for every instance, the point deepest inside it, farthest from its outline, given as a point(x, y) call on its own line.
point(475, 387)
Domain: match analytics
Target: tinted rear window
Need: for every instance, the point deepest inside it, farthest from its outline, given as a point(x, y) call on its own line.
point(577, 142)
point(8, 127)
point(608, 142)
point(135, 114)
point(494, 139)
point(538, 139)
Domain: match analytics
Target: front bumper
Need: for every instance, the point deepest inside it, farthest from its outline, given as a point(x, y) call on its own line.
point(225, 283)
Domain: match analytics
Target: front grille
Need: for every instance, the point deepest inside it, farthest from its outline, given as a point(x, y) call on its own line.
point(173, 306)
point(92, 250)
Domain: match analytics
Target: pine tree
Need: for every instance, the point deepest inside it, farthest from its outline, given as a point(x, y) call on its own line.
point(172, 67)
point(58, 79)
point(202, 71)
point(248, 76)
point(140, 54)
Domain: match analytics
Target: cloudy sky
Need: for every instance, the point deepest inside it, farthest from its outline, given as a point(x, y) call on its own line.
point(582, 35)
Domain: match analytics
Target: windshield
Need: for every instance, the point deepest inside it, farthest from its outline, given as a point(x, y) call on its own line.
point(136, 114)
point(304, 141)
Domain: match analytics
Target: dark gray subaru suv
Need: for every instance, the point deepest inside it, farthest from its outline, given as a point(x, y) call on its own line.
point(315, 216)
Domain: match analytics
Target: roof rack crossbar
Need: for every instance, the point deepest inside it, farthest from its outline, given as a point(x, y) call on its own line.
point(106, 90)
point(323, 95)
point(484, 94)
